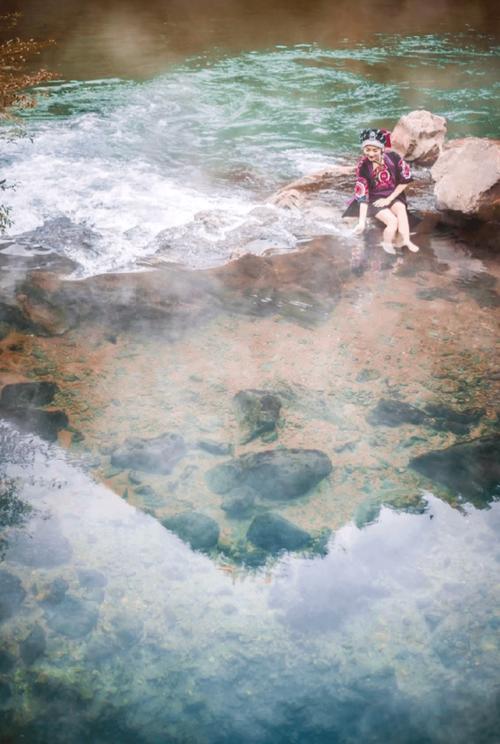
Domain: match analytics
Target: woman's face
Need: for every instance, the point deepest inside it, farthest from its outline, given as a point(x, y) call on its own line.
point(372, 152)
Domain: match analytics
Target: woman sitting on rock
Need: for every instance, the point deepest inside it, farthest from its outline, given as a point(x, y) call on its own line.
point(382, 178)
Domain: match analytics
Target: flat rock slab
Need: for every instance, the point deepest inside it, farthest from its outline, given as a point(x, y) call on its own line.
point(157, 455)
point(200, 531)
point(24, 394)
point(276, 474)
point(471, 469)
point(274, 533)
point(257, 412)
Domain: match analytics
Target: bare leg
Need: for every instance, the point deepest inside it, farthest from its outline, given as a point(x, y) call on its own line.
point(399, 209)
point(391, 225)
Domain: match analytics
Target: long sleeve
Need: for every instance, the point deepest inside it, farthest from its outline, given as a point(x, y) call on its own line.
point(361, 188)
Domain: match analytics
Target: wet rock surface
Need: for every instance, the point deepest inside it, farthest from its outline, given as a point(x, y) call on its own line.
point(257, 412)
point(12, 594)
point(419, 137)
point(157, 455)
point(471, 469)
point(200, 531)
point(276, 474)
point(273, 533)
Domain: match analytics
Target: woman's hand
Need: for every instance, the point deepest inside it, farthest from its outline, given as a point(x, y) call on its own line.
point(383, 202)
point(360, 228)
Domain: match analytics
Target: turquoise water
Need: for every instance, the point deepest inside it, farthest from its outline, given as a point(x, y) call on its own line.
point(114, 630)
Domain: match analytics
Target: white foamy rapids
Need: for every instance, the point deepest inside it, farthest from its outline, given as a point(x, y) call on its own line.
point(122, 205)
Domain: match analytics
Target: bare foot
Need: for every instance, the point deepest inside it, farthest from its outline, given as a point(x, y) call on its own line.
point(389, 248)
point(412, 247)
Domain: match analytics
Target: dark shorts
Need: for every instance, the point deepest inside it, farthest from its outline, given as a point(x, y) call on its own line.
point(353, 208)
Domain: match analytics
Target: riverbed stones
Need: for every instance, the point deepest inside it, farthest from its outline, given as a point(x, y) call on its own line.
point(467, 176)
point(419, 137)
point(12, 594)
point(157, 455)
point(200, 531)
point(279, 474)
point(257, 412)
point(44, 546)
point(470, 469)
point(390, 412)
point(46, 424)
point(273, 533)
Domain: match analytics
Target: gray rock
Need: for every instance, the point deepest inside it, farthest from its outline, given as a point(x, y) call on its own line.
point(55, 591)
point(214, 448)
point(44, 547)
point(257, 412)
point(28, 394)
point(394, 413)
point(274, 533)
point(157, 455)
point(12, 594)
point(33, 645)
point(200, 531)
point(275, 474)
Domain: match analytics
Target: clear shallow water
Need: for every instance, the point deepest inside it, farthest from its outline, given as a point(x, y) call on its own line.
point(218, 133)
point(391, 637)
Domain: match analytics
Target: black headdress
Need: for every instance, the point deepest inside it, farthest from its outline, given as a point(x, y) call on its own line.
point(375, 137)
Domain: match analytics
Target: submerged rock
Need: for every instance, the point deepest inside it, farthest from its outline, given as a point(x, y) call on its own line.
point(435, 415)
point(471, 469)
point(276, 474)
point(72, 617)
point(394, 413)
point(257, 412)
point(214, 448)
point(44, 546)
point(7, 662)
point(239, 502)
point(46, 424)
point(12, 594)
point(274, 533)
point(33, 645)
point(157, 455)
point(200, 531)
point(28, 394)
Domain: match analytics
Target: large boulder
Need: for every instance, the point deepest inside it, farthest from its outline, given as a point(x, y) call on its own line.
point(471, 469)
point(274, 533)
point(419, 137)
point(157, 455)
point(467, 176)
point(276, 474)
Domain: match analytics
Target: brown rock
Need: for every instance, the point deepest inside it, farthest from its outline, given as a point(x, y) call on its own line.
point(295, 194)
point(419, 137)
point(467, 176)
